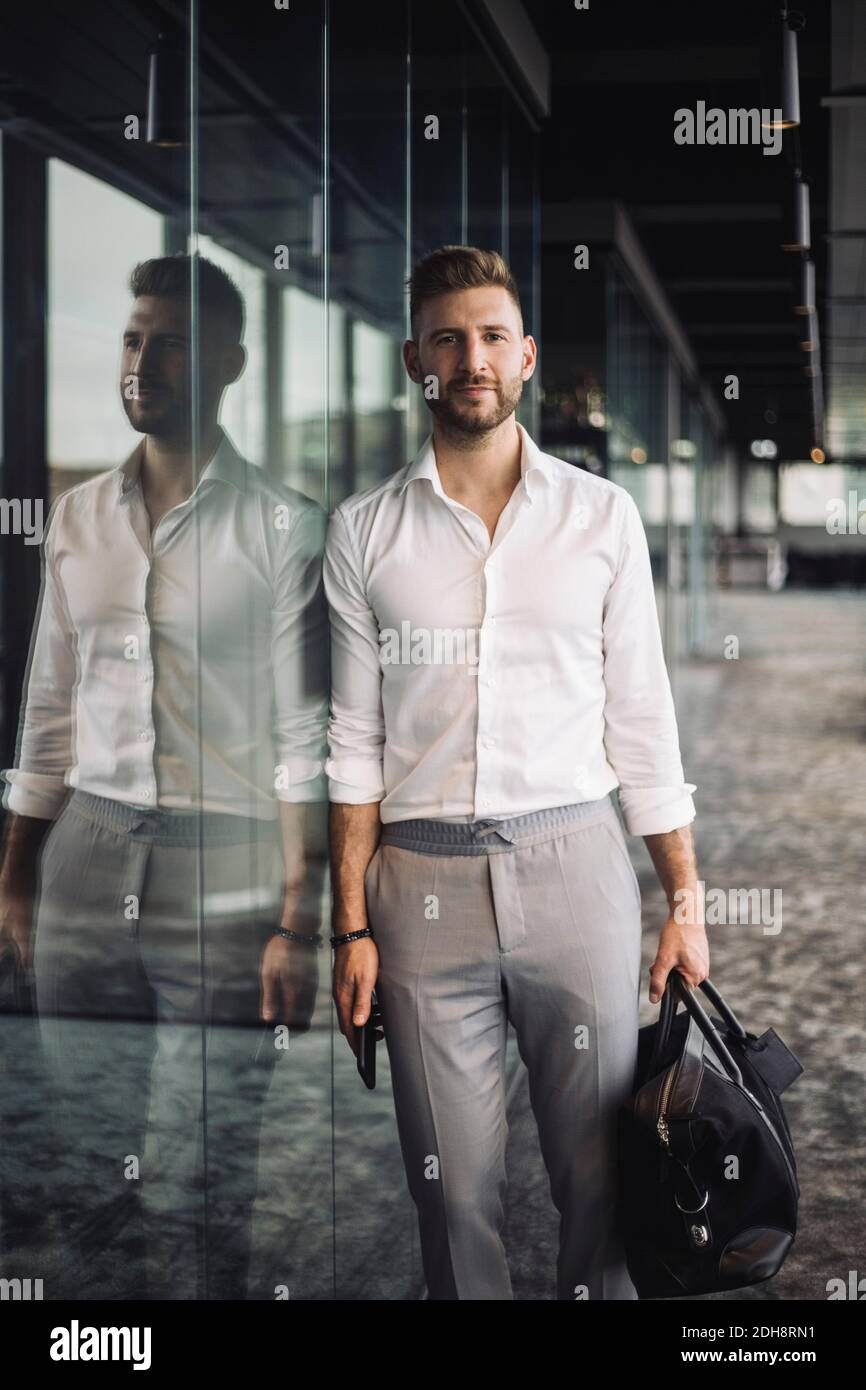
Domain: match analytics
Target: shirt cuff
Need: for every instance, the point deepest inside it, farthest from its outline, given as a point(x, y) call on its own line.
point(357, 781)
point(656, 810)
point(300, 779)
point(36, 794)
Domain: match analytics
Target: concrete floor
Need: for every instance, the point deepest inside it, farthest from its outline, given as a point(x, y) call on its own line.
point(776, 743)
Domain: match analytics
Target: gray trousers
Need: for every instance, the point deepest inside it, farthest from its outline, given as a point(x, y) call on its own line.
point(149, 935)
point(536, 920)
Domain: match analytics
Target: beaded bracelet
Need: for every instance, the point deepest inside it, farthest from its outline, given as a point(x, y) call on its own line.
point(351, 936)
point(312, 941)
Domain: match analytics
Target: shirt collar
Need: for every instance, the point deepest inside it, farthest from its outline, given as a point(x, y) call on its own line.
point(534, 466)
point(225, 465)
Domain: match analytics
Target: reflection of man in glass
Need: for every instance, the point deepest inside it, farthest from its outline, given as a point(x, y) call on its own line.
point(177, 685)
point(481, 873)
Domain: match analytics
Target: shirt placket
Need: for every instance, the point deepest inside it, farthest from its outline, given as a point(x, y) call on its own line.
point(489, 669)
point(153, 544)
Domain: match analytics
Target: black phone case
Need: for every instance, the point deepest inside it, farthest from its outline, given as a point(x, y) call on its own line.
point(367, 1047)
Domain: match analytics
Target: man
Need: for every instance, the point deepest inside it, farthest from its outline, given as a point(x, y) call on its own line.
point(497, 671)
point(177, 686)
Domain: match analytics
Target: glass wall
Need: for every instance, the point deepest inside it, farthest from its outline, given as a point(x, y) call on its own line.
point(189, 1122)
point(662, 447)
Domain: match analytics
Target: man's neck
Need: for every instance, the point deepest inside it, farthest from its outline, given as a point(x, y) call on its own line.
point(472, 466)
point(168, 467)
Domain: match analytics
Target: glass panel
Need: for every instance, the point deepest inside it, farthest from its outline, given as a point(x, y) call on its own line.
point(109, 1106)
point(636, 418)
point(260, 210)
point(368, 264)
point(96, 234)
point(184, 1119)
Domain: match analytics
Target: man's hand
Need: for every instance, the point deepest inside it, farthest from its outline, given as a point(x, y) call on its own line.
point(683, 941)
point(354, 836)
point(356, 967)
point(16, 920)
point(289, 979)
point(24, 836)
point(683, 948)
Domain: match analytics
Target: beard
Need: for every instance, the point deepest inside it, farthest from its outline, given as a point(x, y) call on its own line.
point(460, 416)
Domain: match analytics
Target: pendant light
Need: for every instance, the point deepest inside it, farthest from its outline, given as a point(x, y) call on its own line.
point(166, 93)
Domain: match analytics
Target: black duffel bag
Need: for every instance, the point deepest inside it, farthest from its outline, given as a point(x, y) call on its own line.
point(708, 1187)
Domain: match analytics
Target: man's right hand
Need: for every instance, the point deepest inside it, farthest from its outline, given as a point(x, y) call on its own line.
point(356, 968)
point(18, 877)
point(16, 919)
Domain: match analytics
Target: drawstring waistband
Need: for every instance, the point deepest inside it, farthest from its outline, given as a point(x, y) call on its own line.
point(169, 826)
point(494, 836)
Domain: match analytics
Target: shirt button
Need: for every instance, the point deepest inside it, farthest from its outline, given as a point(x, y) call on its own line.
point(144, 735)
point(144, 794)
point(489, 742)
point(144, 677)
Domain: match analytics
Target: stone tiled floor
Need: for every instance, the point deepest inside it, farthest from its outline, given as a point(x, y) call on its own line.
point(776, 743)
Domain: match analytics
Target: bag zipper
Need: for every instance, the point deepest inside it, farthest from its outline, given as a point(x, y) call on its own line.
point(661, 1120)
point(664, 1130)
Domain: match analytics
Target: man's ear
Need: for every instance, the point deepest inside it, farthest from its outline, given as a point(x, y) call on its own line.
point(409, 352)
point(235, 358)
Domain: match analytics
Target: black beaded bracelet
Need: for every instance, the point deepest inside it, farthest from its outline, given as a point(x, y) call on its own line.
point(314, 942)
point(351, 936)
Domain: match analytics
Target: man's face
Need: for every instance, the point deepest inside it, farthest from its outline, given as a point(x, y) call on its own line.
point(155, 367)
point(471, 341)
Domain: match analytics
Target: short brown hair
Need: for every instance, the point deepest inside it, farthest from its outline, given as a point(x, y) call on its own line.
point(171, 276)
point(458, 268)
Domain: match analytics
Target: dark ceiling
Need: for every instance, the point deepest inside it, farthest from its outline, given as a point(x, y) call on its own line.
point(710, 218)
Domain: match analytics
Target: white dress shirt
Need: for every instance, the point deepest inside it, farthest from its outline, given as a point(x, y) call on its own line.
point(185, 669)
point(477, 679)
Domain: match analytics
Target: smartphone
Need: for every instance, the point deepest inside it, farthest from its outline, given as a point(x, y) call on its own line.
point(367, 1045)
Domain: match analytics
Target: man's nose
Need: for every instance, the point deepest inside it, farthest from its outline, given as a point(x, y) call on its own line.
point(144, 359)
point(474, 357)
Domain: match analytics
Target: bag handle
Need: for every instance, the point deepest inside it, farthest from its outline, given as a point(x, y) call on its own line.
point(702, 1019)
point(727, 1013)
point(676, 989)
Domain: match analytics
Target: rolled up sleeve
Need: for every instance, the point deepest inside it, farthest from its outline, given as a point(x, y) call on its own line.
point(356, 728)
point(641, 738)
point(45, 753)
point(299, 658)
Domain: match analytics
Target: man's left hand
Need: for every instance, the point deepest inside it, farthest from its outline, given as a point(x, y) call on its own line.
point(681, 947)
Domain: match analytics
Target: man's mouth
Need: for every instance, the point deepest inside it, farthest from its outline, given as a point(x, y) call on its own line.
point(473, 390)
